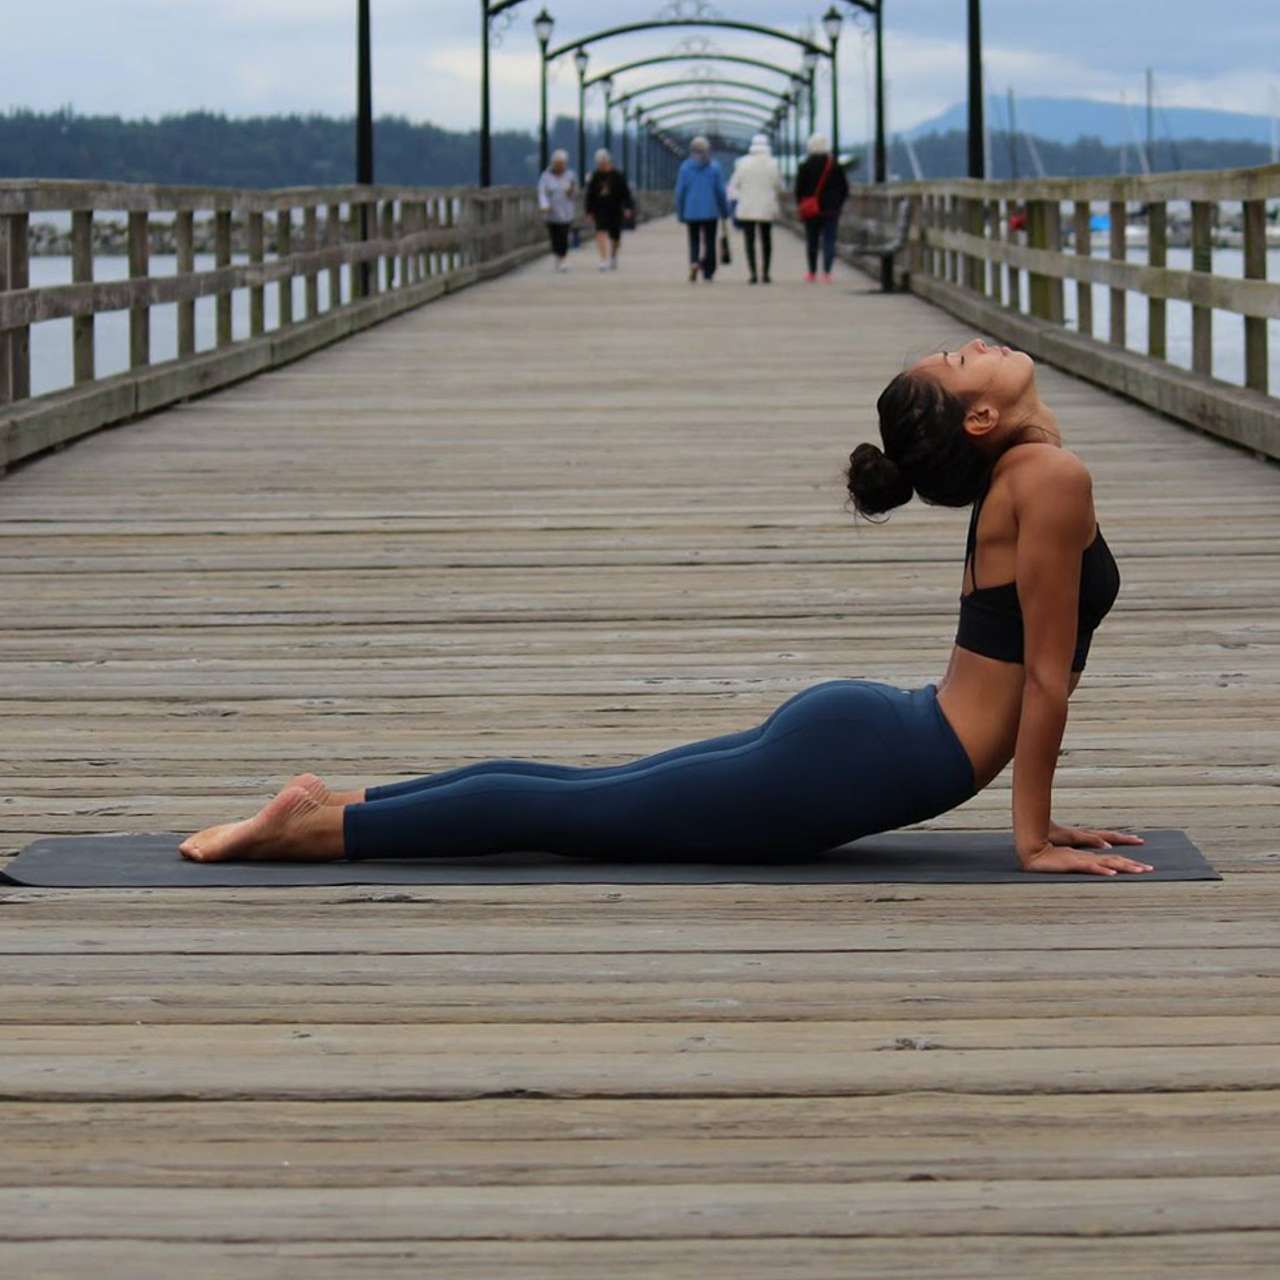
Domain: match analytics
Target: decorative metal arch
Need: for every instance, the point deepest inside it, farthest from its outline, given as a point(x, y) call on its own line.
point(726, 24)
point(710, 80)
point(688, 114)
point(692, 57)
point(712, 99)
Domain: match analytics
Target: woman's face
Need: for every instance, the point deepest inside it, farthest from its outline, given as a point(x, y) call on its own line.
point(604, 166)
point(558, 166)
point(981, 371)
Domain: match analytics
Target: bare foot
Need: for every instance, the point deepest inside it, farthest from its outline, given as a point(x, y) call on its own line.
point(319, 790)
point(294, 827)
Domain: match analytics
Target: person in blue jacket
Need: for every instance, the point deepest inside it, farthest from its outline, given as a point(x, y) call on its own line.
point(701, 201)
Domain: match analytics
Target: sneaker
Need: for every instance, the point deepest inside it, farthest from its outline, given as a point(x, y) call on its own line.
point(826, 277)
point(561, 265)
point(809, 277)
point(693, 274)
point(604, 266)
point(613, 264)
point(766, 280)
point(752, 280)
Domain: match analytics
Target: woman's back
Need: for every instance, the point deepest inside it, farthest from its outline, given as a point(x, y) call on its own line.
point(756, 183)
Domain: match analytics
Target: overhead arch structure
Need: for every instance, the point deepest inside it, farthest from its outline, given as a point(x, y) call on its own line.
point(759, 63)
point(579, 47)
point(716, 82)
point(712, 100)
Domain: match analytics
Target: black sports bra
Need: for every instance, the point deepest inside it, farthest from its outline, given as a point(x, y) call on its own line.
point(991, 617)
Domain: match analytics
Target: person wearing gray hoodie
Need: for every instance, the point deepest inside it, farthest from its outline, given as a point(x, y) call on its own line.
point(557, 198)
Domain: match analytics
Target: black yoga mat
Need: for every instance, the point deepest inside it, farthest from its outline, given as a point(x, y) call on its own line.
point(908, 857)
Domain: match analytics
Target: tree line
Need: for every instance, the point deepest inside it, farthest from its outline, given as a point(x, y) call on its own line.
point(204, 148)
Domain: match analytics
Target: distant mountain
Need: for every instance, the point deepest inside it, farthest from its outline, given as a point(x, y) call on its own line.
point(1066, 119)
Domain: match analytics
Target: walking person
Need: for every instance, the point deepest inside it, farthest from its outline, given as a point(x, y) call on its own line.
point(701, 201)
point(821, 190)
point(756, 185)
point(842, 758)
point(607, 203)
point(557, 196)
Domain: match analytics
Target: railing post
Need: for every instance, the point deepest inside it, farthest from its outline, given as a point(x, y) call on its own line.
point(1038, 238)
point(185, 244)
point(257, 293)
point(974, 266)
point(995, 277)
point(915, 246)
point(1084, 249)
point(139, 269)
point(332, 239)
point(284, 253)
point(1119, 249)
point(1202, 260)
point(1255, 268)
point(1013, 274)
point(222, 258)
point(1157, 256)
point(82, 327)
point(310, 243)
point(356, 214)
point(388, 232)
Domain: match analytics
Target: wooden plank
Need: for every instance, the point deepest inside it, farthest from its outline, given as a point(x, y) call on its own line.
point(1224, 1255)
point(538, 1141)
point(1057, 1207)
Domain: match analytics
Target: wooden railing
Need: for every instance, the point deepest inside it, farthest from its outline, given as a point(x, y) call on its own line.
point(1003, 254)
point(362, 254)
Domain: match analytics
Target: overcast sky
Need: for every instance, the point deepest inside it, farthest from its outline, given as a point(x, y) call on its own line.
point(151, 57)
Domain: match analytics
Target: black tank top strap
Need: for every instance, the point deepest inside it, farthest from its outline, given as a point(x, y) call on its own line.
point(971, 542)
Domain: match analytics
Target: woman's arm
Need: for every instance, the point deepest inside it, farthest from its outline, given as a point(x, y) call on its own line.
point(1053, 506)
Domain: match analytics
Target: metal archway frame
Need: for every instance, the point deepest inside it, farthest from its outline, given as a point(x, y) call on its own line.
point(689, 114)
point(694, 57)
point(680, 84)
point(712, 99)
point(658, 24)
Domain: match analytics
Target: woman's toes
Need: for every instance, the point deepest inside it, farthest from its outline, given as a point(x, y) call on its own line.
point(314, 786)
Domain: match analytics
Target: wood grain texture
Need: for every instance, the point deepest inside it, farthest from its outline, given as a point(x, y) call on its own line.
point(584, 518)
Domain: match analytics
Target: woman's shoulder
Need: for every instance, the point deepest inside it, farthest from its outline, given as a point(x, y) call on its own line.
point(1034, 472)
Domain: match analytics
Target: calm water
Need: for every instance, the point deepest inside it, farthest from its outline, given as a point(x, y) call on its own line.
point(51, 341)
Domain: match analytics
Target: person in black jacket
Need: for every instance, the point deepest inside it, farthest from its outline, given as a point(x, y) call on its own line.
point(821, 175)
point(608, 202)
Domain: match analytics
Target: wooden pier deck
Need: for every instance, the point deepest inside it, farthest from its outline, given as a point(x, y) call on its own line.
point(586, 517)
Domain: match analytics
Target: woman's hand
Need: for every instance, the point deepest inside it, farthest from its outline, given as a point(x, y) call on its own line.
point(1089, 838)
point(1051, 856)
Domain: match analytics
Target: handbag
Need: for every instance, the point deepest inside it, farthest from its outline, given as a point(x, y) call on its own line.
point(725, 256)
point(811, 206)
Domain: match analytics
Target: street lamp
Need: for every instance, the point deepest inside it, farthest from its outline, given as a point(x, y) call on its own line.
point(543, 25)
point(580, 59)
point(607, 85)
point(831, 24)
point(876, 9)
point(811, 71)
point(977, 165)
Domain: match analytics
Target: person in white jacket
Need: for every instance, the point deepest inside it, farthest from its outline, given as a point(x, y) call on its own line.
point(756, 185)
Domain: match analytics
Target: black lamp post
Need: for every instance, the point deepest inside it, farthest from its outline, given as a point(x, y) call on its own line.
point(977, 164)
point(364, 130)
point(580, 60)
point(607, 85)
point(543, 25)
point(831, 24)
point(489, 9)
point(811, 71)
point(876, 9)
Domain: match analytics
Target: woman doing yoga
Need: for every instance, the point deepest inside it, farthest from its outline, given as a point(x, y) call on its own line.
point(841, 759)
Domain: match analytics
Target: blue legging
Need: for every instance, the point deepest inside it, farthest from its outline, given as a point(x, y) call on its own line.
point(837, 761)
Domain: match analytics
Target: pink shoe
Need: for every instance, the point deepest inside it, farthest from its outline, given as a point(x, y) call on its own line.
point(809, 277)
point(826, 277)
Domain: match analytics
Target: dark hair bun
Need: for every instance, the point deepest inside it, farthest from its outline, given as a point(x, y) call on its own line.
point(876, 483)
